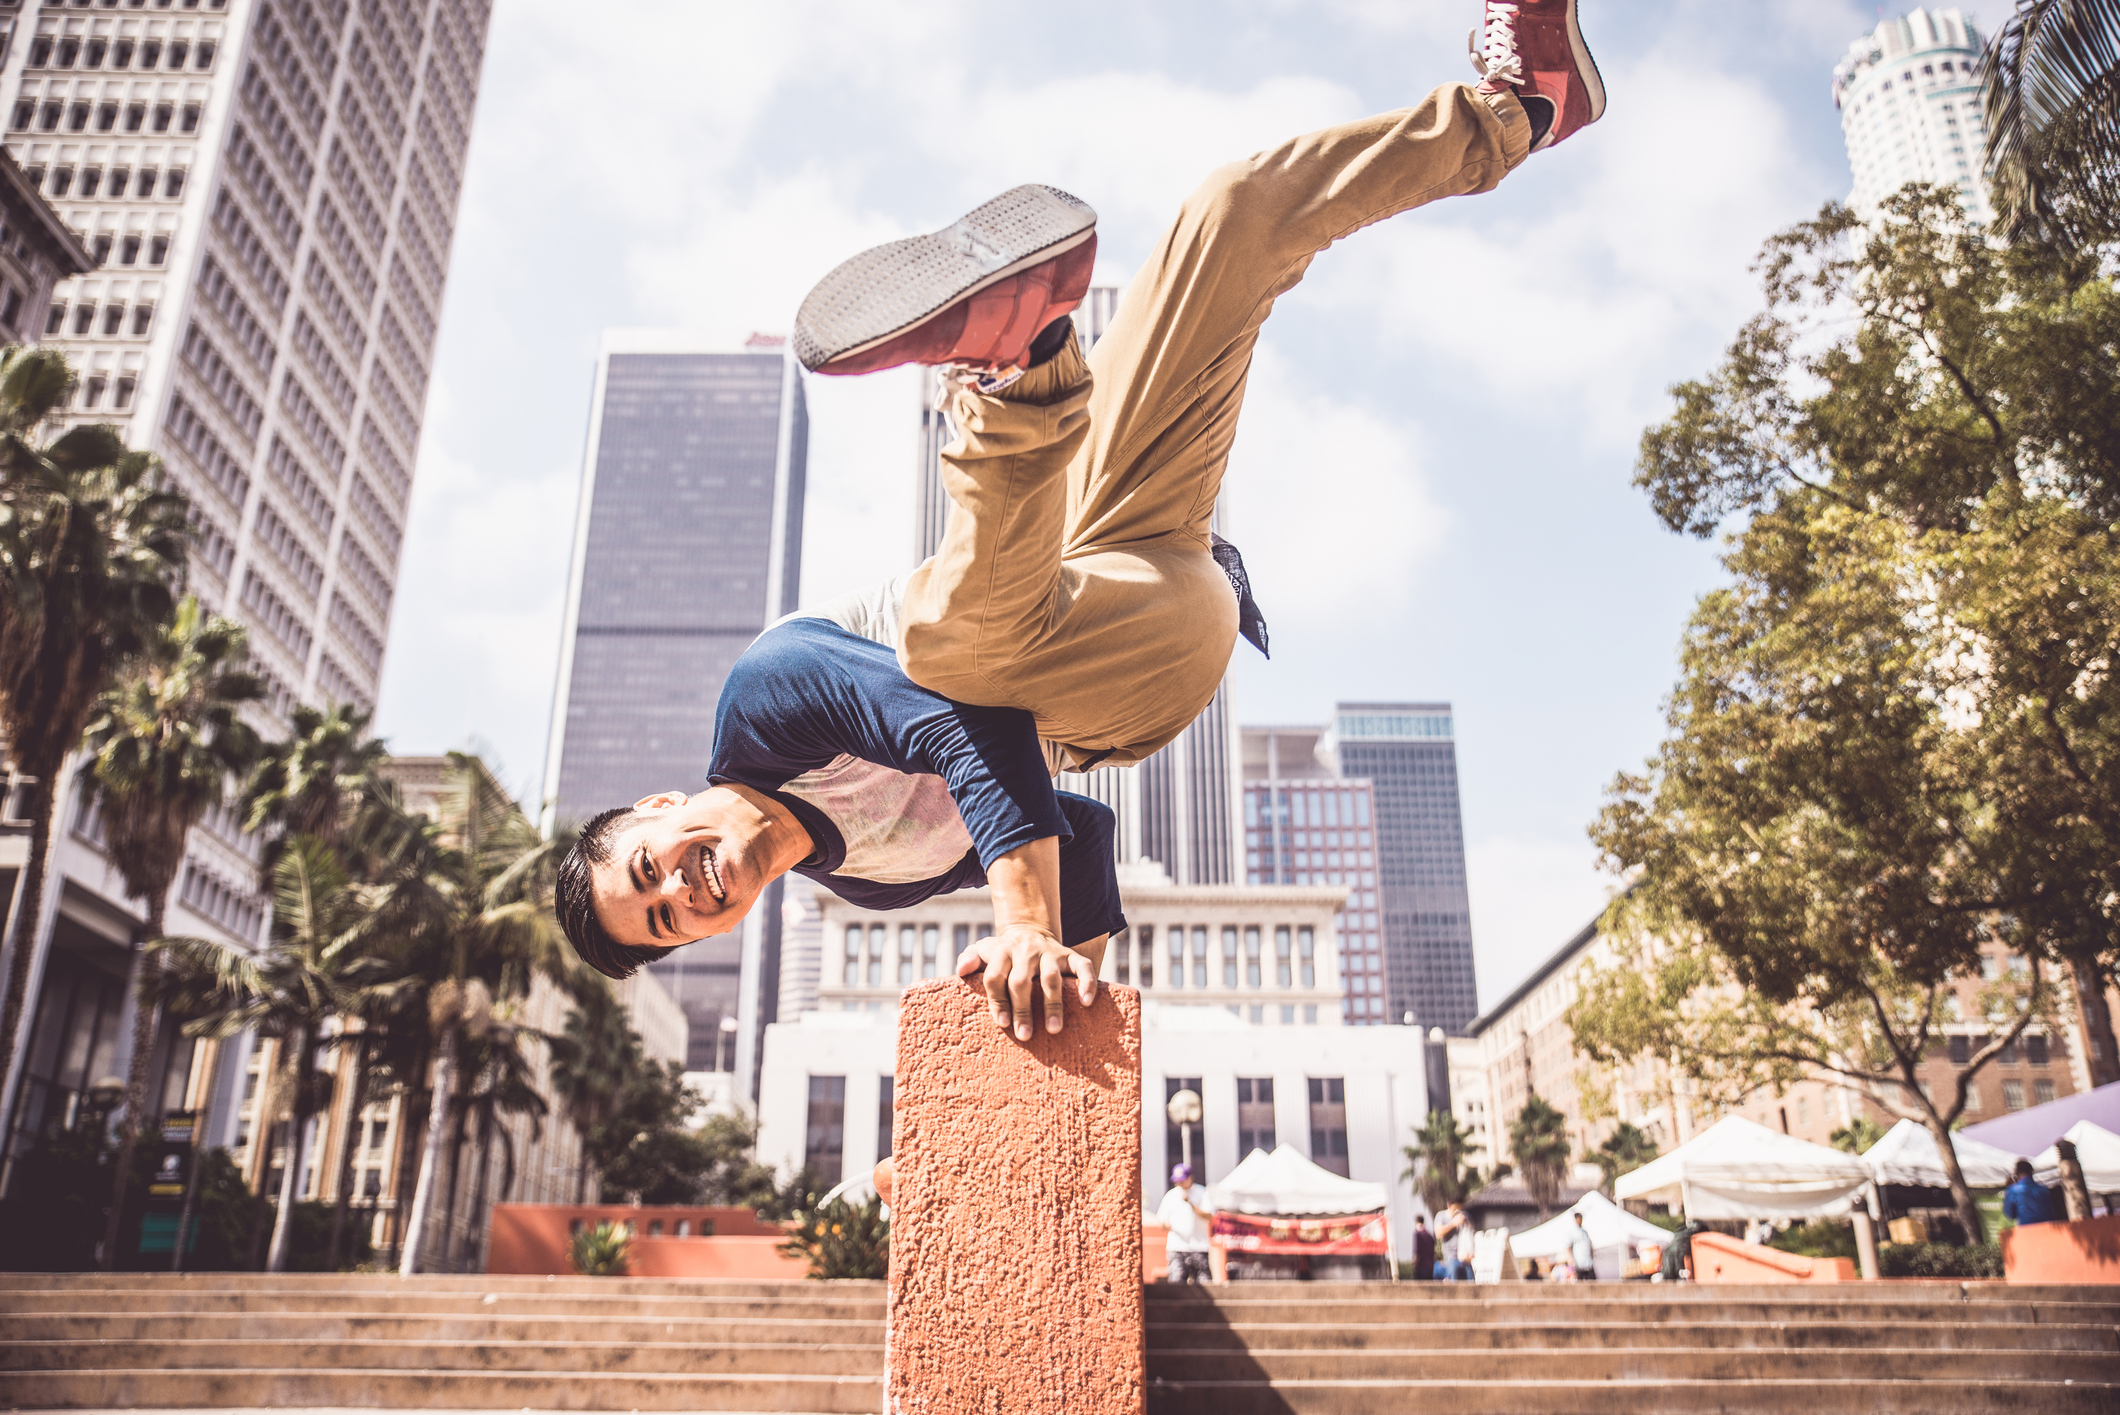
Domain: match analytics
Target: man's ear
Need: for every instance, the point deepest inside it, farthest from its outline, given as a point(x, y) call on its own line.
point(660, 801)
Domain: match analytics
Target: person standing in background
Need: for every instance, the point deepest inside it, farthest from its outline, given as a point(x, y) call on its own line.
point(1423, 1251)
point(1185, 1224)
point(1580, 1252)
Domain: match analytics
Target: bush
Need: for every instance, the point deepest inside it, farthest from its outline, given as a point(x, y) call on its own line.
point(602, 1251)
point(1824, 1238)
point(840, 1241)
point(1940, 1260)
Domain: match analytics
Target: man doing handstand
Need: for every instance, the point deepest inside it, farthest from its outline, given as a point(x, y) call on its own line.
point(901, 743)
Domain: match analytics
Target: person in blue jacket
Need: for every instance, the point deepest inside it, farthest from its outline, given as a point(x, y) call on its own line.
point(2027, 1200)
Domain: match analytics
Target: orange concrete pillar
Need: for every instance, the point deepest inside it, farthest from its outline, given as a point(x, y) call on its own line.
point(1016, 1226)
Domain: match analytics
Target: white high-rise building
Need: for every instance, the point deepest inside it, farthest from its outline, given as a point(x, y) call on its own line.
point(1910, 109)
point(268, 189)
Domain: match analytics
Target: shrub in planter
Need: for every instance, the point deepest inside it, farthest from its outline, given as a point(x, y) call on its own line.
point(602, 1251)
point(840, 1241)
point(1940, 1260)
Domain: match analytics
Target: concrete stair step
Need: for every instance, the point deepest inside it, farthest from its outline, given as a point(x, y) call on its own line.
point(1898, 1289)
point(475, 1284)
point(579, 1360)
point(1332, 1311)
point(288, 1387)
point(1601, 1334)
point(303, 1326)
point(1665, 1364)
point(19, 1304)
point(1798, 1396)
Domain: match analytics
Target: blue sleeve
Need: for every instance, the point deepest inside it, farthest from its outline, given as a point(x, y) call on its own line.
point(809, 691)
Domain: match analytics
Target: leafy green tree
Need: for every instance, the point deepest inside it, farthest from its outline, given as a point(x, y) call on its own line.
point(1857, 1135)
point(732, 1175)
point(163, 744)
point(320, 963)
point(2050, 85)
point(645, 1150)
point(1538, 1140)
point(1435, 1161)
point(595, 1056)
point(469, 900)
point(1625, 1150)
point(90, 547)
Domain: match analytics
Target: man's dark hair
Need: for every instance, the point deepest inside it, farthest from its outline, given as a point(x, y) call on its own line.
point(574, 898)
point(2024, 1169)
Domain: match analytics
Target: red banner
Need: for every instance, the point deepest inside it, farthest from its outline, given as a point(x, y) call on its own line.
point(1267, 1233)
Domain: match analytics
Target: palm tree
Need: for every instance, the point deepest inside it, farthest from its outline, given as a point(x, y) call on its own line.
point(162, 745)
point(1625, 1150)
point(319, 780)
point(1857, 1135)
point(476, 900)
point(320, 964)
point(2050, 85)
point(90, 545)
point(593, 1057)
point(1435, 1161)
point(506, 1085)
point(1538, 1139)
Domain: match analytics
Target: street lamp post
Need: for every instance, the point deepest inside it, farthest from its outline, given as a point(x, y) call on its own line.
point(1184, 1112)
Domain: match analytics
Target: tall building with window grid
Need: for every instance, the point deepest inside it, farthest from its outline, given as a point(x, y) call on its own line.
point(688, 542)
point(268, 191)
point(1910, 109)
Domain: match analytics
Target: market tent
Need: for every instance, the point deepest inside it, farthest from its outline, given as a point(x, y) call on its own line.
point(2026, 1132)
point(1614, 1233)
point(1907, 1155)
point(1286, 1182)
point(2097, 1150)
point(1738, 1168)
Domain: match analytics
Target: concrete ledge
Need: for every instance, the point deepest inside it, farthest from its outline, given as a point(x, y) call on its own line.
point(1719, 1258)
point(2087, 1251)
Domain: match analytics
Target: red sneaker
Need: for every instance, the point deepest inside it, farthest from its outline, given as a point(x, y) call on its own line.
point(1534, 49)
point(975, 294)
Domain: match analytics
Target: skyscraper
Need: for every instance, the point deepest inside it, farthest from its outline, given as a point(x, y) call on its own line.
point(1393, 770)
point(268, 192)
point(688, 542)
point(1910, 109)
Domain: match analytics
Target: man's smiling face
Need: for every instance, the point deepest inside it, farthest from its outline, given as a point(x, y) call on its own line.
point(683, 869)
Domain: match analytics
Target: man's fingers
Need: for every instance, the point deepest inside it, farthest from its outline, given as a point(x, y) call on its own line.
point(969, 962)
point(997, 995)
point(1055, 985)
point(1086, 978)
point(1019, 993)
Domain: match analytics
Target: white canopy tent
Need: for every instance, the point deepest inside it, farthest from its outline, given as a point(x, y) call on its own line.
point(1614, 1233)
point(1907, 1155)
point(1738, 1169)
point(1286, 1182)
point(2097, 1150)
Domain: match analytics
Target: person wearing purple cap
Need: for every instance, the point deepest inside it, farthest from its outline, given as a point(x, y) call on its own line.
point(1185, 1223)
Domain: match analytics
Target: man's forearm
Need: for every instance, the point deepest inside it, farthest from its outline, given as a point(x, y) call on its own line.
point(1025, 887)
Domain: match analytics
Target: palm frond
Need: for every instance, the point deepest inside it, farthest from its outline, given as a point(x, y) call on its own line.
point(2051, 93)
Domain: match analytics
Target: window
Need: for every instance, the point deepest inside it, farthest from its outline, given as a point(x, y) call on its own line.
point(127, 383)
point(876, 948)
point(824, 1138)
point(97, 49)
point(25, 114)
point(179, 51)
point(77, 117)
point(53, 111)
point(930, 950)
point(906, 935)
point(147, 180)
point(1229, 956)
point(886, 1089)
point(1283, 973)
point(2008, 1055)
point(1199, 953)
point(114, 312)
point(852, 974)
point(1177, 955)
point(99, 250)
point(206, 48)
point(94, 389)
point(174, 186)
point(1961, 1048)
point(1174, 1138)
point(1148, 955)
point(69, 51)
point(151, 54)
point(14, 308)
point(135, 116)
point(1972, 1100)
point(158, 250)
point(1328, 1124)
point(1254, 1114)
point(84, 316)
point(121, 54)
point(129, 249)
point(1990, 967)
point(1252, 971)
point(2042, 1092)
point(40, 52)
point(1306, 950)
point(191, 117)
point(62, 180)
point(106, 117)
point(2034, 1042)
point(143, 314)
point(1121, 955)
point(164, 112)
point(57, 319)
point(2013, 1095)
point(1288, 1015)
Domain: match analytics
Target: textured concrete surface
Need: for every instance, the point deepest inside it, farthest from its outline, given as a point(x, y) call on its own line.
point(1016, 1233)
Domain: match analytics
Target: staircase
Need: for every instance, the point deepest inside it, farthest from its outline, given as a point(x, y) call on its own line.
point(1454, 1349)
point(486, 1343)
point(512, 1343)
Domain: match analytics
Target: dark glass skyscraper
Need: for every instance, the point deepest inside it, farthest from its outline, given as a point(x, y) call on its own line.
point(1408, 751)
point(688, 542)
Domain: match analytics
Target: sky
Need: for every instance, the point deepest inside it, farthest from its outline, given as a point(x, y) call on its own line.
point(1432, 481)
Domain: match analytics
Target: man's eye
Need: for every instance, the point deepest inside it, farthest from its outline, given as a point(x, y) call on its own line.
point(669, 920)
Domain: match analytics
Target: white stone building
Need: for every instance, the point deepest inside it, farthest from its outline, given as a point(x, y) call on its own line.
point(1910, 109)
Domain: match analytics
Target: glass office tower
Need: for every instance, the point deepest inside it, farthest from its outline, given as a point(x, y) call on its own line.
point(688, 542)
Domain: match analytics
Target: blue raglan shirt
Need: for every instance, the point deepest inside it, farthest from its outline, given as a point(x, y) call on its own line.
point(828, 724)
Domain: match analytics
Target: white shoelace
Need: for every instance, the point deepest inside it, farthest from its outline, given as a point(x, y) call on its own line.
point(1498, 51)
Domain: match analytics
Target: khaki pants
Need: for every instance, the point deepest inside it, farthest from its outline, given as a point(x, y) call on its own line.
point(1074, 577)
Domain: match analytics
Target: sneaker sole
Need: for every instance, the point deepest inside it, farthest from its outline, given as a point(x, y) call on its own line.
point(1586, 67)
point(891, 288)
